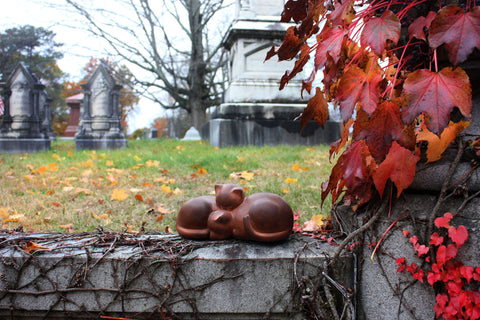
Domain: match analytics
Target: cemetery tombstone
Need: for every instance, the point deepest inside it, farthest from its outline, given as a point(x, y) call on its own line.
point(74, 103)
point(23, 129)
point(255, 111)
point(100, 121)
point(46, 114)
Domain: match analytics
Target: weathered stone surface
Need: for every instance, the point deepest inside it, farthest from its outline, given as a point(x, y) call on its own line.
point(386, 294)
point(100, 126)
point(192, 134)
point(115, 275)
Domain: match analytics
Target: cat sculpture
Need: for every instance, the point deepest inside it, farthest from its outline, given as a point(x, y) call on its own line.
point(264, 217)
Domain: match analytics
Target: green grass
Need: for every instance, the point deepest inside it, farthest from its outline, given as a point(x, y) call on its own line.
point(68, 190)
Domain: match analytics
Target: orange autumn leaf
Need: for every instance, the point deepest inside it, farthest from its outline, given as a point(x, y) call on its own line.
point(56, 204)
point(147, 184)
point(119, 194)
point(437, 145)
point(139, 197)
point(159, 218)
point(52, 166)
point(42, 170)
point(67, 227)
point(166, 189)
point(50, 192)
point(31, 247)
point(202, 170)
point(290, 180)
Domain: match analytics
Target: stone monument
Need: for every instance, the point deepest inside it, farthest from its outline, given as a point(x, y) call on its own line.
point(100, 126)
point(255, 111)
point(74, 103)
point(46, 114)
point(22, 129)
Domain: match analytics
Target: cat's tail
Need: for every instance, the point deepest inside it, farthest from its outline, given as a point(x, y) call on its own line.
point(264, 236)
point(193, 233)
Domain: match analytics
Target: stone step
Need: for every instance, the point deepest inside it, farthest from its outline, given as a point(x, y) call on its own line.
point(105, 274)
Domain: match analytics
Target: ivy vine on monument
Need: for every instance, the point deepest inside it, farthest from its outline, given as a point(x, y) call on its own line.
point(395, 71)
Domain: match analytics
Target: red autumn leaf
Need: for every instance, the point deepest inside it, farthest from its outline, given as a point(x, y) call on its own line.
point(412, 268)
point(401, 264)
point(339, 144)
point(443, 222)
point(296, 10)
point(353, 171)
point(437, 94)
point(419, 275)
point(405, 233)
point(299, 64)
point(413, 240)
point(421, 249)
point(343, 12)
point(139, 197)
point(289, 48)
point(31, 247)
point(415, 29)
point(467, 272)
point(317, 109)
point(458, 235)
point(445, 253)
point(384, 126)
point(356, 86)
point(436, 239)
point(330, 42)
point(459, 31)
point(378, 30)
point(398, 166)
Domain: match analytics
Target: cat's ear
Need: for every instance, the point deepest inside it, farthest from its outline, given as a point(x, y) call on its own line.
point(239, 192)
point(218, 187)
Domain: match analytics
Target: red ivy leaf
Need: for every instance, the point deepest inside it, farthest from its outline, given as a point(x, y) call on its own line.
point(296, 10)
point(458, 235)
point(356, 86)
point(398, 166)
point(436, 239)
point(378, 30)
point(467, 272)
point(352, 170)
point(460, 32)
point(415, 30)
point(437, 94)
point(330, 42)
point(299, 64)
point(421, 249)
point(443, 222)
point(343, 12)
point(317, 109)
point(445, 253)
point(384, 126)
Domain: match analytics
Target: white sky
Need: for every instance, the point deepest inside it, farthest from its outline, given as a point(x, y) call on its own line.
point(78, 47)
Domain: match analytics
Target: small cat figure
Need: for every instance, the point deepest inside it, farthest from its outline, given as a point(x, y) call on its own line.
point(264, 217)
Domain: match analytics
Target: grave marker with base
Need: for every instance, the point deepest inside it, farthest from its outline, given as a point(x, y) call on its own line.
point(22, 129)
point(100, 126)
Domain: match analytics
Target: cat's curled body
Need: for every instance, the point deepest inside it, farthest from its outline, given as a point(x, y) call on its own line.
point(263, 217)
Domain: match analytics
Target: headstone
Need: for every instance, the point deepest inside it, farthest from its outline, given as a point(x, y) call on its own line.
point(25, 100)
point(74, 103)
point(255, 111)
point(46, 114)
point(100, 121)
point(192, 134)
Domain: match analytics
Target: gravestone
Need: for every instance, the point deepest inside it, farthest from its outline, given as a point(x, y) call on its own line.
point(46, 114)
point(255, 111)
point(100, 121)
point(74, 103)
point(192, 134)
point(24, 128)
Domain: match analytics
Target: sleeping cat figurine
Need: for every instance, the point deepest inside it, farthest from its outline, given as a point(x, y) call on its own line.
point(263, 217)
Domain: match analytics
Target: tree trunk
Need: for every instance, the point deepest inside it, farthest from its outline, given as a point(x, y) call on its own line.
point(197, 66)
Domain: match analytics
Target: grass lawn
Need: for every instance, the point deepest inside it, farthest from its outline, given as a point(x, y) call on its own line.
point(145, 185)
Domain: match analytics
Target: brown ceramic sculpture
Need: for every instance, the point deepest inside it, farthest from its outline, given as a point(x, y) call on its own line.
point(263, 217)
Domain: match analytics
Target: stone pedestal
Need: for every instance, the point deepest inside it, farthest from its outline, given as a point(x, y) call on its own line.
point(100, 126)
point(74, 103)
point(25, 102)
point(255, 111)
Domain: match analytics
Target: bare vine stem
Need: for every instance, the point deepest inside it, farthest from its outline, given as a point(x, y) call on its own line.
point(445, 186)
point(361, 229)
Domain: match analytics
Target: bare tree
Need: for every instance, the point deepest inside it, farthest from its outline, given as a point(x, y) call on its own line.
point(172, 45)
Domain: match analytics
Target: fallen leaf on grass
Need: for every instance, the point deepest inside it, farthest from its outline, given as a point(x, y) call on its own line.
point(290, 180)
point(109, 163)
point(31, 247)
point(151, 163)
point(4, 213)
point(83, 190)
point(14, 218)
point(119, 194)
point(67, 227)
point(168, 229)
point(246, 175)
point(56, 204)
point(139, 197)
point(202, 170)
point(166, 189)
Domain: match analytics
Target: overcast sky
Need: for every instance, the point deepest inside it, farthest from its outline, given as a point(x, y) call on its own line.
point(78, 45)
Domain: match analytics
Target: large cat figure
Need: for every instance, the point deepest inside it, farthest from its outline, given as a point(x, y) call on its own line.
point(261, 217)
